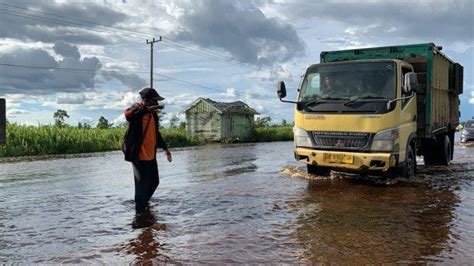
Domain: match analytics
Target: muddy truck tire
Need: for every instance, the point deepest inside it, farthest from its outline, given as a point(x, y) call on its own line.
point(408, 170)
point(441, 153)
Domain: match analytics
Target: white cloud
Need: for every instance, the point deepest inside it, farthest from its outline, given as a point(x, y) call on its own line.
point(92, 50)
point(264, 94)
point(86, 120)
point(71, 99)
point(16, 100)
point(459, 47)
point(174, 10)
point(15, 111)
point(231, 92)
point(167, 118)
point(111, 100)
point(8, 45)
point(179, 101)
point(281, 72)
point(180, 69)
point(119, 120)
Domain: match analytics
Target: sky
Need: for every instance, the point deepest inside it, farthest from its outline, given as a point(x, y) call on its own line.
point(90, 58)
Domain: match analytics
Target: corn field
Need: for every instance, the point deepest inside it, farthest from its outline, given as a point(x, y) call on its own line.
point(48, 140)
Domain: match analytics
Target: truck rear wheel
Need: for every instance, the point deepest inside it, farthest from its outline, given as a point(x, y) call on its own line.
point(320, 171)
point(441, 154)
point(446, 151)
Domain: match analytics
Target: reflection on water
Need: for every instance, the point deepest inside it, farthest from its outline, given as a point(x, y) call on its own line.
point(146, 247)
point(233, 204)
point(342, 221)
point(221, 161)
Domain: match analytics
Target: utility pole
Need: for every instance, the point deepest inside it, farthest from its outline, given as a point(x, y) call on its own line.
point(3, 122)
point(151, 58)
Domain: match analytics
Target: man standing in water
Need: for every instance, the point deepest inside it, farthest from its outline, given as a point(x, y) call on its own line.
point(143, 138)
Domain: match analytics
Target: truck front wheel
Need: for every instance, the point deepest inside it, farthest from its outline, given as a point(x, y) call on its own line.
point(320, 171)
point(408, 170)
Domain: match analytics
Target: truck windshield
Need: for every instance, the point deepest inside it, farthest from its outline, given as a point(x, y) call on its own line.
point(350, 81)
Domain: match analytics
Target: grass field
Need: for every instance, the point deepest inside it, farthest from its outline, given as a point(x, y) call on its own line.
point(48, 140)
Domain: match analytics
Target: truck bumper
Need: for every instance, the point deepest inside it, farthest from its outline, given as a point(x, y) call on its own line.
point(361, 162)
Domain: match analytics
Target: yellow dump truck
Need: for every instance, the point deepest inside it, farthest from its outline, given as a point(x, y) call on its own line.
point(373, 110)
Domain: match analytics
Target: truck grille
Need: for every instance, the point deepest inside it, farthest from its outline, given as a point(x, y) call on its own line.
point(341, 139)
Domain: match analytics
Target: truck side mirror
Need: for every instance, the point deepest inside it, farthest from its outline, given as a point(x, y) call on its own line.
point(411, 83)
point(281, 90)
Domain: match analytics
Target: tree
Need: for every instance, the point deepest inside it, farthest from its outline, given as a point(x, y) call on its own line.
point(59, 117)
point(182, 125)
point(103, 123)
point(263, 121)
point(283, 122)
point(83, 125)
point(173, 121)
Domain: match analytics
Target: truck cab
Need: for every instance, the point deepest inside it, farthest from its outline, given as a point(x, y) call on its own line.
point(362, 115)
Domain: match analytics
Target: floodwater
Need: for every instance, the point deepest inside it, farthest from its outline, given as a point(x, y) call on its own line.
point(234, 204)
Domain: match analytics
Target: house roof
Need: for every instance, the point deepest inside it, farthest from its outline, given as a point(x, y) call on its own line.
point(237, 107)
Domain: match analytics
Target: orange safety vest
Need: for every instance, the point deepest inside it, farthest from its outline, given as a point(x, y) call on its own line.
point(148, 148)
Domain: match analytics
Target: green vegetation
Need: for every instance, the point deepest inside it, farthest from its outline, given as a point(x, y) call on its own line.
point(273, 133)
point(49, 139)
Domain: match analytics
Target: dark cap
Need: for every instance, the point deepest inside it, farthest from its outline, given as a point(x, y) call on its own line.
point(151, 94)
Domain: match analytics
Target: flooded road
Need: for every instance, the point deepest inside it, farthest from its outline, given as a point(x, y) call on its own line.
point(234, 203)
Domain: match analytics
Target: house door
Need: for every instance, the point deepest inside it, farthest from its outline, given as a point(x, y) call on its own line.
point(227, 126)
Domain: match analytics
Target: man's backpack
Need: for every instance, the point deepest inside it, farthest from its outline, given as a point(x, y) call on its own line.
point(130, 148)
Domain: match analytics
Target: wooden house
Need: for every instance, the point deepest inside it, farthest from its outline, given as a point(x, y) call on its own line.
point(219, 120)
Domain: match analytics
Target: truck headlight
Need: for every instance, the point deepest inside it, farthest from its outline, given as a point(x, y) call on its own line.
point(387, 140)
point(464, 132)
point(301, 137)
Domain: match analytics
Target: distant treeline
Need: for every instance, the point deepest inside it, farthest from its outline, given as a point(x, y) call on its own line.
point(55, 139)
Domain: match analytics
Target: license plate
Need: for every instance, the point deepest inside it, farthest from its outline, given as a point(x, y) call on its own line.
point(338, 158)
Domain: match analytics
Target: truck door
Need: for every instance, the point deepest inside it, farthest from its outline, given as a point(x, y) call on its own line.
point(408, 112)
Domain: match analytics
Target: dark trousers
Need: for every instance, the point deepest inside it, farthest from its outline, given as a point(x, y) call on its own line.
point(146, 182)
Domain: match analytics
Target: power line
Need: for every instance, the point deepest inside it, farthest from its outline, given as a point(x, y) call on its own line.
point(58, 22)
point(196, 52)
point(51, 68)
point(189, 83)
point(102, 70)
point(177, 45)
point(50, 14)
point(173, 44)
point(110, 32)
